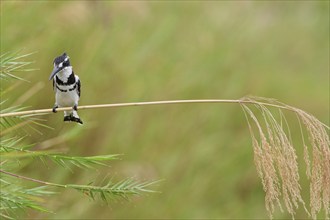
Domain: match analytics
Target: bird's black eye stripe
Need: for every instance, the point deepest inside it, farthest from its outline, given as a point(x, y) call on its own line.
point(66, 63)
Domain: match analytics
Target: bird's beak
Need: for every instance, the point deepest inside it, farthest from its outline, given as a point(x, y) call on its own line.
point(55, 70)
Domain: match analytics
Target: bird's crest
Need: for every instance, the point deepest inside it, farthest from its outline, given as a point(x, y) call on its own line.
point(61, 59)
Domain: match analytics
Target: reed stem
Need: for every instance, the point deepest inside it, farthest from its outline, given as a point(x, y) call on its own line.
point(46, 111)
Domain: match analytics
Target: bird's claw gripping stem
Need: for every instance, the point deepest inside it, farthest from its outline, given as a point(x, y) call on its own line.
point(54, 108)
point(75, 107)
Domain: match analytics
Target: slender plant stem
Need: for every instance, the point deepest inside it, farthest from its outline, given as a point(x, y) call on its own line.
point(31, 179)
point(46, 111)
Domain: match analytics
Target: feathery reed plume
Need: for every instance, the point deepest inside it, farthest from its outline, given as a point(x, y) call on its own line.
point(276, 160)
point(320, 170)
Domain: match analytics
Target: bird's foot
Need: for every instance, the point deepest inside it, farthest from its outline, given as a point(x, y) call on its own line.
point(54, 108)
point(78, 120)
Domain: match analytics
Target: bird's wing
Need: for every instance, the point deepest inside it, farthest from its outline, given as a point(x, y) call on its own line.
point(78, 86)
point(54, 85)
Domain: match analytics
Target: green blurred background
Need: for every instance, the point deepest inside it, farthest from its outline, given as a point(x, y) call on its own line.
point(130, 51)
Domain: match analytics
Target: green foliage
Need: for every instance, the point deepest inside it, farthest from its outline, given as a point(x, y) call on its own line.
point(15, 195)
point(10, 152)
point(11, 62)
point(112, 191)
point(15, 198)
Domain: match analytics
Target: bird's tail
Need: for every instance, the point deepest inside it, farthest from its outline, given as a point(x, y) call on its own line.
point(72, 116)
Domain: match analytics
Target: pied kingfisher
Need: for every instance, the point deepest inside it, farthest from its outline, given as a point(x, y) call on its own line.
point(66, 86)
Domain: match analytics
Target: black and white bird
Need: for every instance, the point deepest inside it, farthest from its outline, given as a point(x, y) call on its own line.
point(66, 86)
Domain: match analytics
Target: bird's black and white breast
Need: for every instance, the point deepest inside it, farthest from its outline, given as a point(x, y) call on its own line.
point(67, 88)
point(67, 94)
